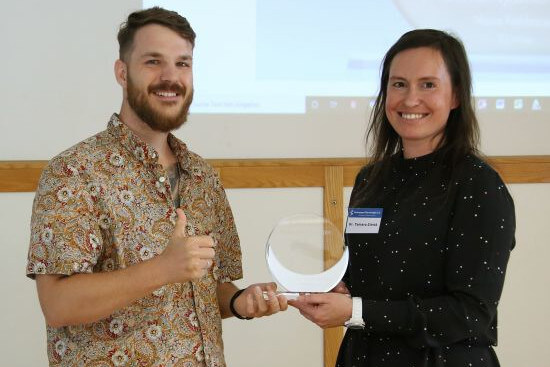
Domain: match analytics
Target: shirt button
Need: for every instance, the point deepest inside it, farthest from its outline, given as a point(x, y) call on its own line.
point(162, 179)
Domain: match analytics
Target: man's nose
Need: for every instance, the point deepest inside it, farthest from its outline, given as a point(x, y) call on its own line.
point(168, 73)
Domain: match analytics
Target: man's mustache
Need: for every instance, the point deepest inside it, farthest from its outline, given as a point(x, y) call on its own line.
point(167, 87)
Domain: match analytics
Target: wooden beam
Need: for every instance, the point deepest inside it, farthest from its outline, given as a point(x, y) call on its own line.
point(23, 176)
point(522, 169)
point(20, 176)
point(333, 210)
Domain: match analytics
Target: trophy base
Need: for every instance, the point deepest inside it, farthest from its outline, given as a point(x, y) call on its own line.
point(288, 295)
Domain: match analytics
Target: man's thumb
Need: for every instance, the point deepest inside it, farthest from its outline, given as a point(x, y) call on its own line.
point(181, 222)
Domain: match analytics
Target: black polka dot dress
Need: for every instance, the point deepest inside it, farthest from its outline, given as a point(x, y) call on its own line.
point(431, 278)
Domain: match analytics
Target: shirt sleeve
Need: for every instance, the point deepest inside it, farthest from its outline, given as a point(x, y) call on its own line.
point(480, 238)
point(65, 234)
point(228, 245)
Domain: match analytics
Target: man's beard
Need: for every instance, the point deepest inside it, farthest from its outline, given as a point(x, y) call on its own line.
point(156, 118)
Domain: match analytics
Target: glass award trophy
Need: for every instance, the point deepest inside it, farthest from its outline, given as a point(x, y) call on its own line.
point(300, 255)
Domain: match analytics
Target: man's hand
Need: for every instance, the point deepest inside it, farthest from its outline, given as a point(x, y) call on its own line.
point(251, 302)
point(187, 258)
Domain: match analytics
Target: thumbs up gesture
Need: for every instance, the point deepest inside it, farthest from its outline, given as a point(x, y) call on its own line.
point(187, 258)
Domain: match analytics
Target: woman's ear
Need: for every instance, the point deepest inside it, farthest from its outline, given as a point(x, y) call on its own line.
point(455, 102)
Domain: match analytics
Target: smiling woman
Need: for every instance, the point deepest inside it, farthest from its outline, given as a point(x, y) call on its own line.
point(420, 97)
point(423, 288)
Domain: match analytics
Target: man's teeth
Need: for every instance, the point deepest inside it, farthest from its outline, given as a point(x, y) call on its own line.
point(166, 94)
point(412, 116)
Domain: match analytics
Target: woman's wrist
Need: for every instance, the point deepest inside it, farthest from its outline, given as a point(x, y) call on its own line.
point(356, 319)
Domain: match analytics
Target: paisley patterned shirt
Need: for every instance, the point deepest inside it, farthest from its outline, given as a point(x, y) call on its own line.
point(106, 204)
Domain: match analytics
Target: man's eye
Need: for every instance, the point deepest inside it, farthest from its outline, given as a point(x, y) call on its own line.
point(152, 62)
point(183, 64)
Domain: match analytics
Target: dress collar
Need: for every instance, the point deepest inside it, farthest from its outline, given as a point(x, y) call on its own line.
point(422, 163)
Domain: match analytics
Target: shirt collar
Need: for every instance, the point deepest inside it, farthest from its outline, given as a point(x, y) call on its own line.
point(140, 149)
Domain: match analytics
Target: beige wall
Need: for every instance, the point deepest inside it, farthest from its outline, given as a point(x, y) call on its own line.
point(524, 320)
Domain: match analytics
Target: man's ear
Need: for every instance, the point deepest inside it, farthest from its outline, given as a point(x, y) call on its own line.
point(121, 72)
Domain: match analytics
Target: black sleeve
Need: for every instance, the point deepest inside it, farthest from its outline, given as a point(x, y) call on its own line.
point(479, 240)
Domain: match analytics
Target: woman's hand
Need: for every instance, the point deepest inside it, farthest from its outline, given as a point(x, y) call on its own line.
point(324, 309)
point(340, 288)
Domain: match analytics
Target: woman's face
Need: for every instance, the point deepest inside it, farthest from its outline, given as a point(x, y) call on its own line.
point(419, 99)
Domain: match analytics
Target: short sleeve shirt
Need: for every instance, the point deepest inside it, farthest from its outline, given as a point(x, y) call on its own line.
point(105, 204)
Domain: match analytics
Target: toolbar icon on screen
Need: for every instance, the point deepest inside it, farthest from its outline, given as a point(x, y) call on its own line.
point(518, 104)
point(482, 104)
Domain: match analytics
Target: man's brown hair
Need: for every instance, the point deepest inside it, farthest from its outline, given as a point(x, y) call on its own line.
point(156, 15)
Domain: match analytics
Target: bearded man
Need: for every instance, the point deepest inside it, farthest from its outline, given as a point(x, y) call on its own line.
point(133, 243)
